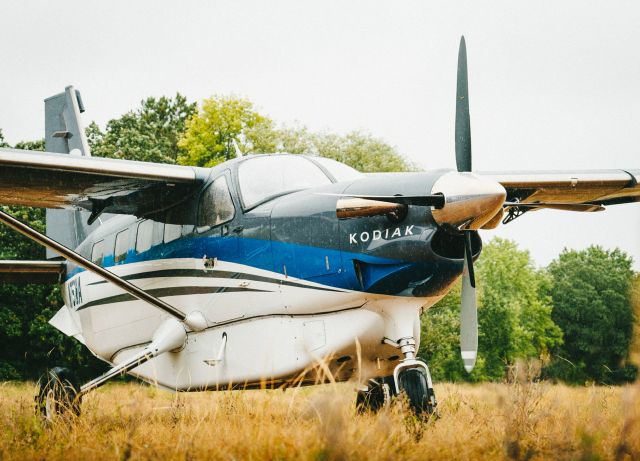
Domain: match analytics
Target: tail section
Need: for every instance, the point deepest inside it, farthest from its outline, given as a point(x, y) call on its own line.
point(64, 134)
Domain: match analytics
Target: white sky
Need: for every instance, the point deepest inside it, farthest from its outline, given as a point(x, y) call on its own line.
point(553, 85)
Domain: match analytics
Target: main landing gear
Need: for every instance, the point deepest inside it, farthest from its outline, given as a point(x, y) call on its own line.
point(411, 378)
point(377, 395)
point(58, 394)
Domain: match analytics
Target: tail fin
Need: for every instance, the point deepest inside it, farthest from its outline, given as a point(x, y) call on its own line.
point(64, 134)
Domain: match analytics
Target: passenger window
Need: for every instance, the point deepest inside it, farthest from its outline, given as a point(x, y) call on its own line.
point(122, 245)
point(158, 233)
point(172, 232)
point(144, 239)
point(216, 206)
point(97, 252)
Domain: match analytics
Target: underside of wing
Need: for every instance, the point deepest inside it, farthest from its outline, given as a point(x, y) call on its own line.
point(597, 187)
point(40, 272)
point(43, 179)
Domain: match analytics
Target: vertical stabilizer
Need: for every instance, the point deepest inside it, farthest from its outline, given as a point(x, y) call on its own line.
point(64, 134)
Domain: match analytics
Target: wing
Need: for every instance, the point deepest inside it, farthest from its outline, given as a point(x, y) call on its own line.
point(40, 272)
point(600, 187)
point(43, 179)
point(580, 190)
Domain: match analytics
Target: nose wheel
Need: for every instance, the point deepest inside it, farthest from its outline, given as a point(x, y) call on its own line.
point(414, 383)
point(411, 378)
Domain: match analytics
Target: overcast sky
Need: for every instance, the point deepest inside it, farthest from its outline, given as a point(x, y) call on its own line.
point(553, 85)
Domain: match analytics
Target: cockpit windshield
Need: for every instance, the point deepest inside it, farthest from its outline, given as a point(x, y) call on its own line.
point(263, 177)
point(339, 171)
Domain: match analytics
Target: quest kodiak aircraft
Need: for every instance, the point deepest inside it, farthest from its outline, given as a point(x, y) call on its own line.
point(265, 270)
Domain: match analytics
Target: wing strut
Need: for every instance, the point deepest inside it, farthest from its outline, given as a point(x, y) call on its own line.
point(89, 265)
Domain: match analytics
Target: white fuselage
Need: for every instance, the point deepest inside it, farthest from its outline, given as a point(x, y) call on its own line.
point(278, 329)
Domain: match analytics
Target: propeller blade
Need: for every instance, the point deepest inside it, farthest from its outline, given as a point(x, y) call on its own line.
point(468, 310)
point(463, 122)
point(468, 255)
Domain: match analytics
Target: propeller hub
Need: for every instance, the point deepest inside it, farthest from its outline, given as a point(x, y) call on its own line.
point(470, 201)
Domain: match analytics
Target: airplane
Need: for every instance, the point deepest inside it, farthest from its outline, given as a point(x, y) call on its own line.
point(266, 270)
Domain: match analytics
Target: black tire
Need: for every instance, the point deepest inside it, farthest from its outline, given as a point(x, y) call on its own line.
point(374, 398)
point(413, 384)
point(58, 394)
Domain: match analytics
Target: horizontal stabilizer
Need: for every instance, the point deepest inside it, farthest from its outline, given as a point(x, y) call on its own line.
point(39, 272)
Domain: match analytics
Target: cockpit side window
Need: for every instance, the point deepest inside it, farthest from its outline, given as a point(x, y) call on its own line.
point(216, 205)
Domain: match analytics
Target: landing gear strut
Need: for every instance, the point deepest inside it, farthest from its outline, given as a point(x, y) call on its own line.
point(411, 377)
point(59, 392)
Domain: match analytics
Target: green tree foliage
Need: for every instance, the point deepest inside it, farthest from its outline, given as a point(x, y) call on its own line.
point(514, 317)
point(361, 151)
point(356, 149)
point(31, 145)
point(29, 343)
point(19, 305)
point(440, 340)
point(591, 291)
point(148, 134)
point(210, 135)
point(2, 142)
point(634, 349)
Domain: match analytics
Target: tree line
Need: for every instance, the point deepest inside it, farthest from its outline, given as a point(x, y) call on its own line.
point(576, 316)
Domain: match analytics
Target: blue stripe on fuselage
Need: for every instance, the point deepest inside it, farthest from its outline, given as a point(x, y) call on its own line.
point(327, 266)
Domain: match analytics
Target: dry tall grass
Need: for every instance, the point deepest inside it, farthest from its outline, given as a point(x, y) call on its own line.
point(493, 421)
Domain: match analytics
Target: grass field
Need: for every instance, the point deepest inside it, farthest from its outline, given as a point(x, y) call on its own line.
point(489, 421)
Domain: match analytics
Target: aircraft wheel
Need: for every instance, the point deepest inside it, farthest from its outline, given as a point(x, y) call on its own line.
point(413, 383)
point(57, 394)
point(376, 397)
